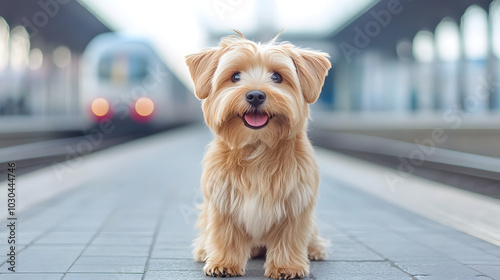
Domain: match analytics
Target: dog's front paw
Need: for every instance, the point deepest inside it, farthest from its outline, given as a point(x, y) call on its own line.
point(286, 272)
point(216, 270)
point(316, 253)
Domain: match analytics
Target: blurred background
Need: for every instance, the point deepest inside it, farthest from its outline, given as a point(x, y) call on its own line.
point(403, 56)
point(402, 69)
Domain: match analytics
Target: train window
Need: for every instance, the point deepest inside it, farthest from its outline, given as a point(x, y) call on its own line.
point(122, 67)
point(105, 67)
point(137, 68)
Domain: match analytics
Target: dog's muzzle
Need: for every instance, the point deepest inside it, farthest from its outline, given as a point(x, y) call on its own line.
point(255, 119)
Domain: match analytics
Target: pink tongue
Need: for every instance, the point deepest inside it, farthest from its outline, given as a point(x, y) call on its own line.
point(256, 119)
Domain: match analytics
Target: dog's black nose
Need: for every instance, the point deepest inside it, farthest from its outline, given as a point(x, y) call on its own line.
point(255, 97)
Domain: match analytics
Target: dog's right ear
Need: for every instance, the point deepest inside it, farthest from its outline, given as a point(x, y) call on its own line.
point(202, 66)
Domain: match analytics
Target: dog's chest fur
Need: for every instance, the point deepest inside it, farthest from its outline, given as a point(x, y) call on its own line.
point(262, 191)
point(257, 217)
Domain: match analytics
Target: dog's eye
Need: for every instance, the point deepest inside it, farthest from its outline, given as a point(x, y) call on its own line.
point(276, 77)
point(235, 77)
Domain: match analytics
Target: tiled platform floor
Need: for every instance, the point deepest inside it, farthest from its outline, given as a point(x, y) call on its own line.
point(134, 220)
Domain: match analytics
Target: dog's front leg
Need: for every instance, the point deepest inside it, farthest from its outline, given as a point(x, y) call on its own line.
point(227, 246)
point(287, 249)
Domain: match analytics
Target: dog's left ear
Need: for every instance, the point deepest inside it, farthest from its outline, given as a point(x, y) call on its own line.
point(202, 66)
point(312, 68)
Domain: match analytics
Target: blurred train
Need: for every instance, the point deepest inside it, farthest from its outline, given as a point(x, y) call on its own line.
point(124, 80)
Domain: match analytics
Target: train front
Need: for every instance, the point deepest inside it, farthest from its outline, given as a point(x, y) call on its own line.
point(123, 81)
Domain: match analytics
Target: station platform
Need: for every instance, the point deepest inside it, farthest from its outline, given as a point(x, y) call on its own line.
point(128, 213)
point(35, 124)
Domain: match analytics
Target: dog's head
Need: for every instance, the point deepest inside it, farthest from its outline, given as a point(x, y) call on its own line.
point(257, 92)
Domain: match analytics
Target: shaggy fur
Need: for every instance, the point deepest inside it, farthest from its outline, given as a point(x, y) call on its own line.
point(259, 185)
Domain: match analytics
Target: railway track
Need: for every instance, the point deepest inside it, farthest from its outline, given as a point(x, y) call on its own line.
point(35, 155)
point(31, 151)
point(471, 172)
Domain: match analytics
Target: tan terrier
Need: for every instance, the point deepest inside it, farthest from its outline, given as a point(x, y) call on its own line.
point(260, 178)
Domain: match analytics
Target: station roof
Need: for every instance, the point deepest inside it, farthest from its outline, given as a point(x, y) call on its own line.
point(57, 22)
point(414, 16)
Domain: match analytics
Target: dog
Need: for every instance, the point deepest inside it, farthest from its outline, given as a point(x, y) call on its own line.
point(260, 178)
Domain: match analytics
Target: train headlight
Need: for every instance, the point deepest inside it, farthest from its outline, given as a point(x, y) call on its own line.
point(144, 107)
point(100, 107)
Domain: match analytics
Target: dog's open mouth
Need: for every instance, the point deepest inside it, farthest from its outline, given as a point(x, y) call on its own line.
point(255, 120)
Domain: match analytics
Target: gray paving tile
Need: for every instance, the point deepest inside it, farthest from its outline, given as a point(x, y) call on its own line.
point(178, 275)
point(109, 264)
point(458, 250)
point(477, 243)
point(351, 252)
point(116, 251)
point(73, 225)
point(184, 243)
point(25, 237)
point(183, 216)
point(163, 252)
point(396, 248)
point(87, 222)
point(493, 271)
point(126, 224)
point(357, 271)
point(492, 250)
point(358, 224)
point(30, 276)
point(131, 238)
point(46, 258)
point(73, 237)
point(107, 276)
point(336, 237)
point(6, 249)
point(40, 222)
point(255, 265)
point(126, 228)
point(125, 234)
point(174, 264)
point(438, 269)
